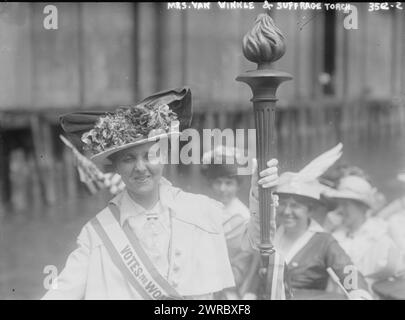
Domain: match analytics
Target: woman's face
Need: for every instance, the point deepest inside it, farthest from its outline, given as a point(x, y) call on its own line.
point(140, 169)
point(351, 212)
point(225, 189)
point(292, 213)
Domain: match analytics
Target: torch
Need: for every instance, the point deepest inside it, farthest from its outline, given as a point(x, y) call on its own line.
point(263, 45)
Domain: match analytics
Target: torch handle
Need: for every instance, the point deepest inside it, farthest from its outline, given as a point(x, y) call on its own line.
point(266, 145)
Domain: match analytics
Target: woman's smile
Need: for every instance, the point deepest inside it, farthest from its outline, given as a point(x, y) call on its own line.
point(289, 220)
point(142, 179)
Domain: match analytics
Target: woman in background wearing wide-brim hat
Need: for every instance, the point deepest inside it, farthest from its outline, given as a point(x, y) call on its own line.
point(308, 250)
point(364, 238)
point(332, 178)
point(220, 167)
point(153, 240)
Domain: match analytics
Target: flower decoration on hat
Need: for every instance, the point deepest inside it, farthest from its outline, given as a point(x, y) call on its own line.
point(128, 125)
point(93, 131)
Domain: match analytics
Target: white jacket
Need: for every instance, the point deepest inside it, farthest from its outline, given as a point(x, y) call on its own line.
point(199, 263)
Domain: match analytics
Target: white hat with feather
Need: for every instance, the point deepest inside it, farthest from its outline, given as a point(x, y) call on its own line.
point(305, 183)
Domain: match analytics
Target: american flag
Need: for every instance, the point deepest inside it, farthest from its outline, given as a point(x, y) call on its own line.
point(91, 175)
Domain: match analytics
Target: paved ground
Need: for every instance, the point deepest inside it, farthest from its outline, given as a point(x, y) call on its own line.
point(27, 245)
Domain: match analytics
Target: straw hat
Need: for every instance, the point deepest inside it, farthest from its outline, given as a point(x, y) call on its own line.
point(104, 133)
point(305, 182)
point(354, 188)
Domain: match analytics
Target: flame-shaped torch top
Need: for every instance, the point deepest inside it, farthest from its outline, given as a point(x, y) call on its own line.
point(264, 44)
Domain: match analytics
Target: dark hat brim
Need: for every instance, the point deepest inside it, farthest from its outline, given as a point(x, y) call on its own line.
point(212, 171)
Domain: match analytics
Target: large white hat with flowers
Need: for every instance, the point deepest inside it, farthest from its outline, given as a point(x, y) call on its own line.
point(101, 134)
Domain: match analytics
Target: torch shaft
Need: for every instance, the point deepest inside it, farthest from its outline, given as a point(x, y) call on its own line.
point(266, 145)
point(264, 86)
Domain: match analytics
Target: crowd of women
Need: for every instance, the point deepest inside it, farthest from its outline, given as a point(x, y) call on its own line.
point(330, 218)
